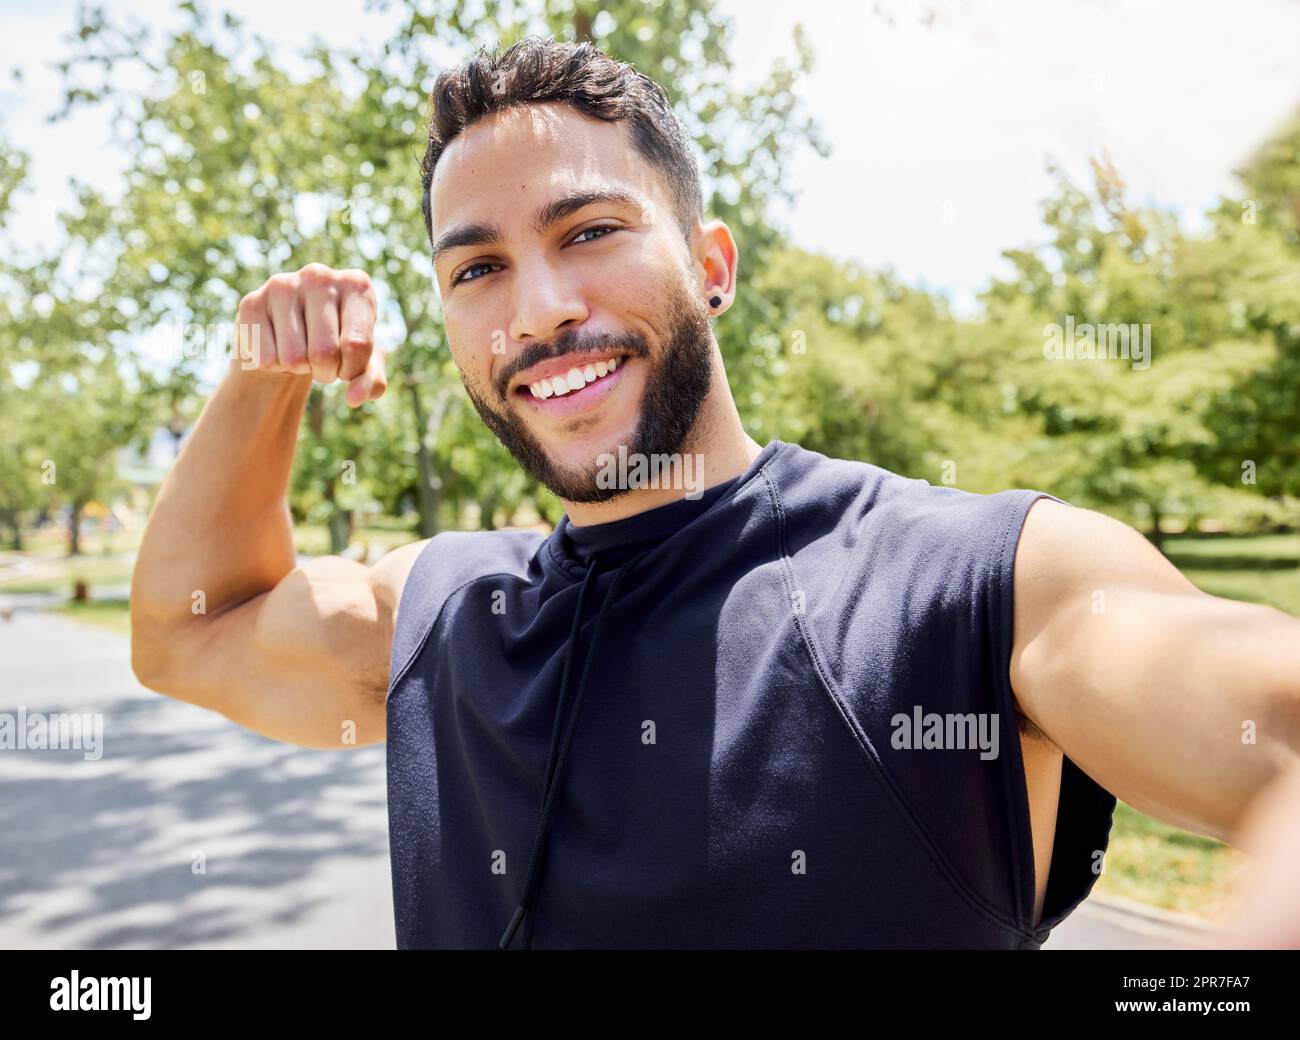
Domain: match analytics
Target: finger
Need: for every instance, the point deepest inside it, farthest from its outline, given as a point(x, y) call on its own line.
point(321, 308)
point(378, 374)
point(357, 325)
point(255, 337)
point(285, 306)
point(371, 384)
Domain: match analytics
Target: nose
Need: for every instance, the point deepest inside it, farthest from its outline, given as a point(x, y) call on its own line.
point(546, 302)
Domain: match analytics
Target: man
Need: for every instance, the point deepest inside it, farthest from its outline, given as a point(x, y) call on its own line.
point(744, 694)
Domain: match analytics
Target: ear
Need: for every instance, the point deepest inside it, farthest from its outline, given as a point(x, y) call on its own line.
point(717, 258)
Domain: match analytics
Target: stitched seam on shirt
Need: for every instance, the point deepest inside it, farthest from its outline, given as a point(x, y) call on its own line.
point(424, 637)
point(864, 742)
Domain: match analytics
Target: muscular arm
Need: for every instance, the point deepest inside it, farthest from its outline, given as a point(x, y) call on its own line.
point(1180, 703)
point(221, 614)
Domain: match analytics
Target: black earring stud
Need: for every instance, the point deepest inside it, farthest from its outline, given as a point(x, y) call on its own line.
point(715, 301)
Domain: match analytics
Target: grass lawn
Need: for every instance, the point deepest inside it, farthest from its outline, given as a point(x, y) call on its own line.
point(1163, 866)
point(61, 573)
point(113, 614)
point(1147, 861)
point(1261, 568)
point(52, 540)
point(314, 539)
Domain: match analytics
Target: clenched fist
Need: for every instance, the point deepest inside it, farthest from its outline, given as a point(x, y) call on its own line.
point(316, 321)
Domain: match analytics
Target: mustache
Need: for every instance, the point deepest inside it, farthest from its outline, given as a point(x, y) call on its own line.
point(570, 342)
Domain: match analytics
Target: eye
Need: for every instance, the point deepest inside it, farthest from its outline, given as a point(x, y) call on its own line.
point(597, 227)
point(464, 275)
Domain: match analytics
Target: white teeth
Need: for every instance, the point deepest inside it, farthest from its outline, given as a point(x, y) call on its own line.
point(574, 379)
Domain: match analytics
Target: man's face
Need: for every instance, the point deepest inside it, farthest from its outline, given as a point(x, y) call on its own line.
point(567, 294)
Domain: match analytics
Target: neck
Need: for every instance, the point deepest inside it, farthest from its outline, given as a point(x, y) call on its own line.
point(716, 450)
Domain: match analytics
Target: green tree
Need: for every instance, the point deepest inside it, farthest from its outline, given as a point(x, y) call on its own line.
point(1121, 434)
point(239, 169)
point(1258, 263)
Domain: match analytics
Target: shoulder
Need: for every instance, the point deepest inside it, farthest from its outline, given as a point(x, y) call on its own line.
point(1070, 560)
point(805, 479)
point(435, 567)
point(423, 576)
point(868, 508)
point(1064, 546)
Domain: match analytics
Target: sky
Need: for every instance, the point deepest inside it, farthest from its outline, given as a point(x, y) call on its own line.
point(940, 127)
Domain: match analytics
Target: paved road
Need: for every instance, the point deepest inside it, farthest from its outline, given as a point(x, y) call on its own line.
point(98, 853)
point(1105, 924)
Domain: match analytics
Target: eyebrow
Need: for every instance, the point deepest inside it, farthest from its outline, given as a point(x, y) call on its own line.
point(547, 215)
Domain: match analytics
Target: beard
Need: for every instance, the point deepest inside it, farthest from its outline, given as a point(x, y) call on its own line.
point(676, 385)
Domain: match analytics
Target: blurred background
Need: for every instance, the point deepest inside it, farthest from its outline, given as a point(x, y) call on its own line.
point(923, 194)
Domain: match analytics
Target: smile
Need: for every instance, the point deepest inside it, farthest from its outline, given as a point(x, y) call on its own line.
point(572, 380)
point(577, 389)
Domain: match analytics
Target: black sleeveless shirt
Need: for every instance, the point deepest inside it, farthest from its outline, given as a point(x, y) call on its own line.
point(778, 715)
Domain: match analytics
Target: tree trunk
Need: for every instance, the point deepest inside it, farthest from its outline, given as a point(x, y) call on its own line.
point(582, 26)
point(74, 529)
point(428, 486)
point(340, 531)
point(488, 511)
point(1156, 535)
point(340, 522)
point(15, 530)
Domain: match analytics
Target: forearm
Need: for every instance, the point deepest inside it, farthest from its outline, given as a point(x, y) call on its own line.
point(1182, 704)
point(220, 531)
point(1266, 902)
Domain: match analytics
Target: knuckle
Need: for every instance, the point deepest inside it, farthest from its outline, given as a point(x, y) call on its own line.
point(354, 279)
point(280, 286)
point(292, 349)
point(323, 348)
point(361, 334)
point(354, 349)
point(315, 274)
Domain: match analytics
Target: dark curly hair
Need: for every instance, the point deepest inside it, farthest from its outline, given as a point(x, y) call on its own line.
point(540, 69)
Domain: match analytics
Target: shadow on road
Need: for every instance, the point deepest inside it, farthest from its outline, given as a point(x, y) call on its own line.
point(188, 831)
